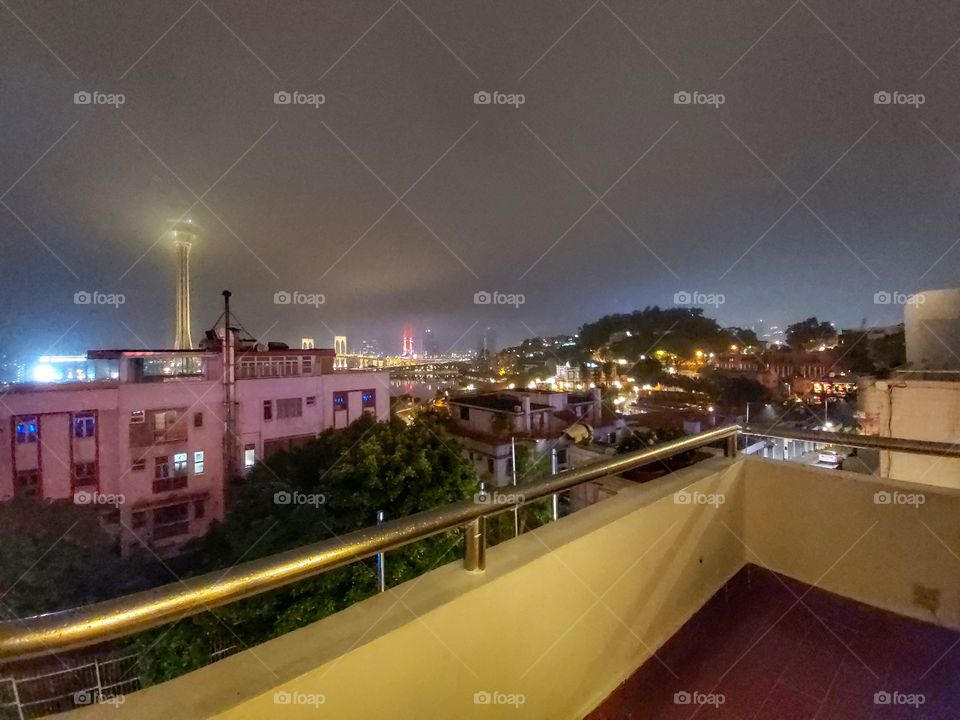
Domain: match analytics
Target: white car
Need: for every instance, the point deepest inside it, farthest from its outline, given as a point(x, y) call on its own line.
point(830, 457)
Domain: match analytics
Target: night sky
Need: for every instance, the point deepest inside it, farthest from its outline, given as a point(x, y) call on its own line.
point(798, 196)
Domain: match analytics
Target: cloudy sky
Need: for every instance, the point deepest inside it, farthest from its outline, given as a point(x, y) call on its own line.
point(785, 188)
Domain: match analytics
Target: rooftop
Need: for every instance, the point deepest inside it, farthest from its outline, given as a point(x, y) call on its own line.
point(496, 401)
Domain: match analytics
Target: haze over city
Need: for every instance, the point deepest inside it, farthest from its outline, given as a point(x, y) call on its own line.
point(500, 197)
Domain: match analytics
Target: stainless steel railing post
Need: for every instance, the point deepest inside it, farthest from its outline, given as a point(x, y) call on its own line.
point(475, 552)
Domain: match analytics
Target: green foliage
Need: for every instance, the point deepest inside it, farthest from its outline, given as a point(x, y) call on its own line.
point(677, 330)
point(55, 555)
point(398, 468)
point(809, 333)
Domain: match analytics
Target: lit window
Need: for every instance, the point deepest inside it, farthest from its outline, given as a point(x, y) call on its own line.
point(339, 401)
point(198, 462)
point(368, 399)
point(137, 417)
point(28, 430)
point(84, 425)
point(249, 456)
point(179, 464)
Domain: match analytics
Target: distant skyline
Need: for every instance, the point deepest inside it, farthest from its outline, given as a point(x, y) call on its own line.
point(399, 159)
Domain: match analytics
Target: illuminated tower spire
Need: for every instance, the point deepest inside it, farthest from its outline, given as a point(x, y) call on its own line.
point(184, 233)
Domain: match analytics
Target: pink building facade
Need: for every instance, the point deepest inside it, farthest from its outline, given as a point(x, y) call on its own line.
point(146, 444)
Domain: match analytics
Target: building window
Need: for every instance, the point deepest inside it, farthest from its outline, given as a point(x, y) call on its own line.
point(249, 456)
point(311, 400)
point(268, 409)
point(84, 425)
point(28, 430)
point(138, 464)
point(509, 466)
point(464, 413)
point(198, 419)
point(168, 427)
point(161, 468)
point(198, 462)
point(137, 417)
point(339, 401)
point(84, 474)
point(179, 464)
point(490, 467)
point(27, 484)
point(289, 408)
point(307, 365)
point(368, 399)
point(171, 520)
point(199, 509)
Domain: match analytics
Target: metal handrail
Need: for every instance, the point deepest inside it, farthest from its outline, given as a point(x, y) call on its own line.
point(123, 616)
point(866, 442)
point(127, 615)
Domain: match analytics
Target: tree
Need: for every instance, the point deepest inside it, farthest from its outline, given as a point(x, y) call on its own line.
point(329, 487)
point(809, 333)
point(55, 555)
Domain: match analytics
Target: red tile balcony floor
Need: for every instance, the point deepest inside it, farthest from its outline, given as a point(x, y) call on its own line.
point(776, 649)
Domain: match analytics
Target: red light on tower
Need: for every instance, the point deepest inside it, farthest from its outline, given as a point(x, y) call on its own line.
point(408, 342)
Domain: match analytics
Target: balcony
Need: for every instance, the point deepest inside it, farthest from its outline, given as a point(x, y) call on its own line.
point(738, 587)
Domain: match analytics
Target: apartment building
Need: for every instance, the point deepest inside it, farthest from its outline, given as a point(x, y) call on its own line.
point(146, 444)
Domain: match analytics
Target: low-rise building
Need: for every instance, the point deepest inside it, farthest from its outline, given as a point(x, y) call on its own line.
point(148, 444)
